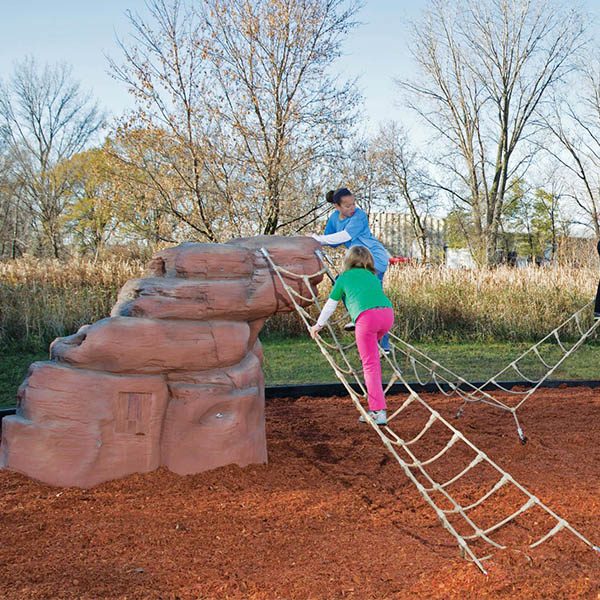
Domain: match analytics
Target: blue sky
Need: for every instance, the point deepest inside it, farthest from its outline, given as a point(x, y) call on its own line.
point(81, 32)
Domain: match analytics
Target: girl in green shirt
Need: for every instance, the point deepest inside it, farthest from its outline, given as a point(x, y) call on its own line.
point(371, 311)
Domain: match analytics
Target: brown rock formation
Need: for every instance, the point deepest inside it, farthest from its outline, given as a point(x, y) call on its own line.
point(173, 377)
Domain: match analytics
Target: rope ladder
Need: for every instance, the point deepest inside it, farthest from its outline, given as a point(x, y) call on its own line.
point(451, 498)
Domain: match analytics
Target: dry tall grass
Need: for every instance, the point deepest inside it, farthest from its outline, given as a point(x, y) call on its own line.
point(43, 299)
point(494, 304)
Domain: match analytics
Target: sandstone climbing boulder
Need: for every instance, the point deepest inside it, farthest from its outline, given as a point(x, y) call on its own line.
point(207, 426)
point(295, 254)
point(172, 377)
point(196, 299)
point(203, 261)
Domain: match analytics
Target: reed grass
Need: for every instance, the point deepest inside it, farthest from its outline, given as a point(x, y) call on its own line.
point(44, 299)
point(488, 304)
point(41, 299)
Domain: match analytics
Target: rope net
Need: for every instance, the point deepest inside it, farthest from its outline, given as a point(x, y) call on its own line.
point(429, 453)
point(533, 367)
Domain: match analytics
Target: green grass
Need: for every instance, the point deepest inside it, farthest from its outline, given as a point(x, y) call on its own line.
point(13, 368)
point(296, 360)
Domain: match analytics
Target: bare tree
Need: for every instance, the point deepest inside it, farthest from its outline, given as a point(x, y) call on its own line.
point(402, 176)
point(240, 100)
point(549, 219)
point(575, 126)
point(271, 59)
point(10, 221)
point(167, 137)
point(45, 118)
point(486, 66)
point(146, 190)
point(355, 169)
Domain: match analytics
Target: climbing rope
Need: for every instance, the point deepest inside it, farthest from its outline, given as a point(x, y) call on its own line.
point(458, 516)
point(518, 365)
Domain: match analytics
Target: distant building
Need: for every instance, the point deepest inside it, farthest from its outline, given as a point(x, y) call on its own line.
point(459, 258)
point(396, 233)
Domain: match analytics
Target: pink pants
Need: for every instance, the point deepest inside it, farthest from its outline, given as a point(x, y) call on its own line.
point(371, 326)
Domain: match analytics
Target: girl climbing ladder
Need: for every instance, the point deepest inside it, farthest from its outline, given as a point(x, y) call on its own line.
point(372, 313)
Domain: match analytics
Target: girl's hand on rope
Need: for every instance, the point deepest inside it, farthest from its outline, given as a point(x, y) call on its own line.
point(314, 330)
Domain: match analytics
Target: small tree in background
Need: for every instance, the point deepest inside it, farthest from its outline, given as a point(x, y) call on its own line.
point(45, 119)
point(575, 126)
point(402, 177)
point(92, 215)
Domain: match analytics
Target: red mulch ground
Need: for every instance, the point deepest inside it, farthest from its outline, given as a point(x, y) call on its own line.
point(331, 516)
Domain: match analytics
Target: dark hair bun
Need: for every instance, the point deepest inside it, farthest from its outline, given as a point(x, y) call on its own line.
point(329, 196)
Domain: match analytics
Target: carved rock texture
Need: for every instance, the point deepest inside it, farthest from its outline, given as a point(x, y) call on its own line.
point(173, 377)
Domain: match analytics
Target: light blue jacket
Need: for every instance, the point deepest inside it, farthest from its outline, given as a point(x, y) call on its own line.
point(357, 227)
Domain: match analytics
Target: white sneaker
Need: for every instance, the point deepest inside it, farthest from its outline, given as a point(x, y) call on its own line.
point(350, 326)
point(379, 416)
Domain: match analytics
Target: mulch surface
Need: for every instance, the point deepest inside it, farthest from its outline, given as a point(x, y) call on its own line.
point(331, 516)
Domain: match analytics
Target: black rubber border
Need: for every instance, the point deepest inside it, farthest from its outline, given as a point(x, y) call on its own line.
point(337, 389)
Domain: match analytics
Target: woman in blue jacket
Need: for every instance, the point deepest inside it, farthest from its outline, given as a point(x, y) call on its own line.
point(348, 225)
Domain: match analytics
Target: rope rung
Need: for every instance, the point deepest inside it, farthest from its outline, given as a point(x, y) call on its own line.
point(507, 390)
point(478, 458)
point(413, 363)
point(408, 401)
point(520, 374)
point(452, 387)
point(425, 428)
point(525, 507)
point(559, 342)
point(391, 382)
point(500, 483)
point(423, 463)
point(578, 324)
point(299, 295)
point(559, 525)
point(537, 353)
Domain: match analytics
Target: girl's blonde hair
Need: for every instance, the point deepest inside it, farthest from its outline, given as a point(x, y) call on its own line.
point(359, 257)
